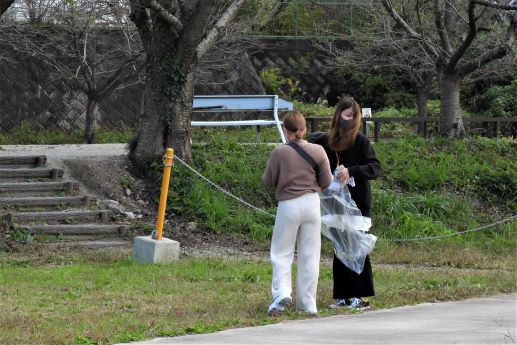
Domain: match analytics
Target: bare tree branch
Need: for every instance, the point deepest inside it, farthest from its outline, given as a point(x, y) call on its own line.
point(223, 21)
point(125, 73)
point(166, 16)
point(453, 62)
point(495, 53)
point(389, 7)
point(439, 19)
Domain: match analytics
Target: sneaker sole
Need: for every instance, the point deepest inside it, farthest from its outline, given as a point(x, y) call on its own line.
point(275, 312)
point(358, 308)
point(284, 302)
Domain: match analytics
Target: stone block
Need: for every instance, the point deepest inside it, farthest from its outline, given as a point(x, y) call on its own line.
point(148, 250)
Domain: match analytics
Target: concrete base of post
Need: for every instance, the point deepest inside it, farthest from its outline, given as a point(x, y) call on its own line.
point(148, 250)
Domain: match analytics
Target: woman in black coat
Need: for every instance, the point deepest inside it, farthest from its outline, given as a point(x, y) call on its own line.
point(346, 146)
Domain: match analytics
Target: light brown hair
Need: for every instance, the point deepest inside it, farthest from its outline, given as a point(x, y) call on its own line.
point(341, 139)
point(294, 121)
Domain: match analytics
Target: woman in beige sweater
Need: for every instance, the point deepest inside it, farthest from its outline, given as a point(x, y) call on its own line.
point(296, 186)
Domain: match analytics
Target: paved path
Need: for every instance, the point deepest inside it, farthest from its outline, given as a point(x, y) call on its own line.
point(65, 151)
point(487, 321)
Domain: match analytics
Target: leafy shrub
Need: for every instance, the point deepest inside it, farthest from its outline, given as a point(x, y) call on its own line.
point(275, 84)
point(498, 101)
point(314, 110)
point(271, 80)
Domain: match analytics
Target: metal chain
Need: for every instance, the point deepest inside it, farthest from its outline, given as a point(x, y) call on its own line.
point(381, 239)
point(223, 190)
point(450, 235)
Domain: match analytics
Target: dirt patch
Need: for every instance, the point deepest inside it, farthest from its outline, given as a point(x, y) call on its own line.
point(112, 182)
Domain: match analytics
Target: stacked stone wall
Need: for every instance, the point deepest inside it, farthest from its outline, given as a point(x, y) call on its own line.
point(32, 92)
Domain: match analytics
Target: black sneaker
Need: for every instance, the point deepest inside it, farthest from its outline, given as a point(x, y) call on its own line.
point(358, 304)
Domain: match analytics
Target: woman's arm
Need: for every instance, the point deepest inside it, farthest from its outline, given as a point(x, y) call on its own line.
point(370, 166)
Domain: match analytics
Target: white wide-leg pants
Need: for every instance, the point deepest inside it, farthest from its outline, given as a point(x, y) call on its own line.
point(299, 217)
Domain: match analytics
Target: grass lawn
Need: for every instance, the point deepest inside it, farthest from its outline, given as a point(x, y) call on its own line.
point(105, 298)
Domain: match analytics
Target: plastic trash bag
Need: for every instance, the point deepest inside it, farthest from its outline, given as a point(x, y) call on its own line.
point(343, 224)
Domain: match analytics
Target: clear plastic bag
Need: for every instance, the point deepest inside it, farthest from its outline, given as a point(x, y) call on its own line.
point(343, 224)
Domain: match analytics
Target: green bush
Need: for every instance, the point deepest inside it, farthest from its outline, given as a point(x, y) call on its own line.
point(314, 110)
point(498, 101)
point(272, 80)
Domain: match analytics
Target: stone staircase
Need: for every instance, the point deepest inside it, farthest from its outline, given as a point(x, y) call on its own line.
point(35, 200)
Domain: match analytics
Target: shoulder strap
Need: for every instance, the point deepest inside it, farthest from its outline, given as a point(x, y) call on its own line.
point(306, 157)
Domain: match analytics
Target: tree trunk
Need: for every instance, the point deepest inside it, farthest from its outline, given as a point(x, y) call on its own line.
point(179, 135)
point(150, 136)
point(168, 95)
point(92, 111)
point(451, 123)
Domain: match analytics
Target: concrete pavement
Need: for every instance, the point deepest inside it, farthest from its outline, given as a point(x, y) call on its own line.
point(69, 151)
point(490, 320)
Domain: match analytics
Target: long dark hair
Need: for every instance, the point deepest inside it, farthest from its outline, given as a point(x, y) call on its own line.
point(341, 139)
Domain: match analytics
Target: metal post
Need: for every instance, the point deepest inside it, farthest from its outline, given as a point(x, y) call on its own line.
point(167, 162)
point(376, 130)
point(366, 130)
point(275, 114)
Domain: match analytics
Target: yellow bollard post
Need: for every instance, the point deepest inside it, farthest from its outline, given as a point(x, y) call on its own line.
point(167, 161)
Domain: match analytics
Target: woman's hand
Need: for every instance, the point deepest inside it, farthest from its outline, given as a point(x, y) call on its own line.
point(343, 176)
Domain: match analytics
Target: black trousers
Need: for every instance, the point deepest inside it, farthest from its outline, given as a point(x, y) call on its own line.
point(348, 284)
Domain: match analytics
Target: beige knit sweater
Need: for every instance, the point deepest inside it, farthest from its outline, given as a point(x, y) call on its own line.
point(291, 175)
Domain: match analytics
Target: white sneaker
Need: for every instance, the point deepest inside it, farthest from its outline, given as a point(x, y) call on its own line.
point(278, 305)
point(358, 304)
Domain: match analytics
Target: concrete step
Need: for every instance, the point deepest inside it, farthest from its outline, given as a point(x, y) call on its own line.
point(23, 187)
point(22, 161)
point(74, 229)
point(50, 173)
point(34, 201)
point(75, 215)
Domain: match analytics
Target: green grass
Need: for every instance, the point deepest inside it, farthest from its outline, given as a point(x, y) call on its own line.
point(427, 187)
point(26, 134)
point(95, 299)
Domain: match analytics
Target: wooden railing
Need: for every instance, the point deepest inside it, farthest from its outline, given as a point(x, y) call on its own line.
point(315, 122)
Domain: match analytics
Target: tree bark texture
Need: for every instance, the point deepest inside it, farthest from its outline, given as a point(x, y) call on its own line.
point(167, 98)
point(92, 112)
point(451, 123)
